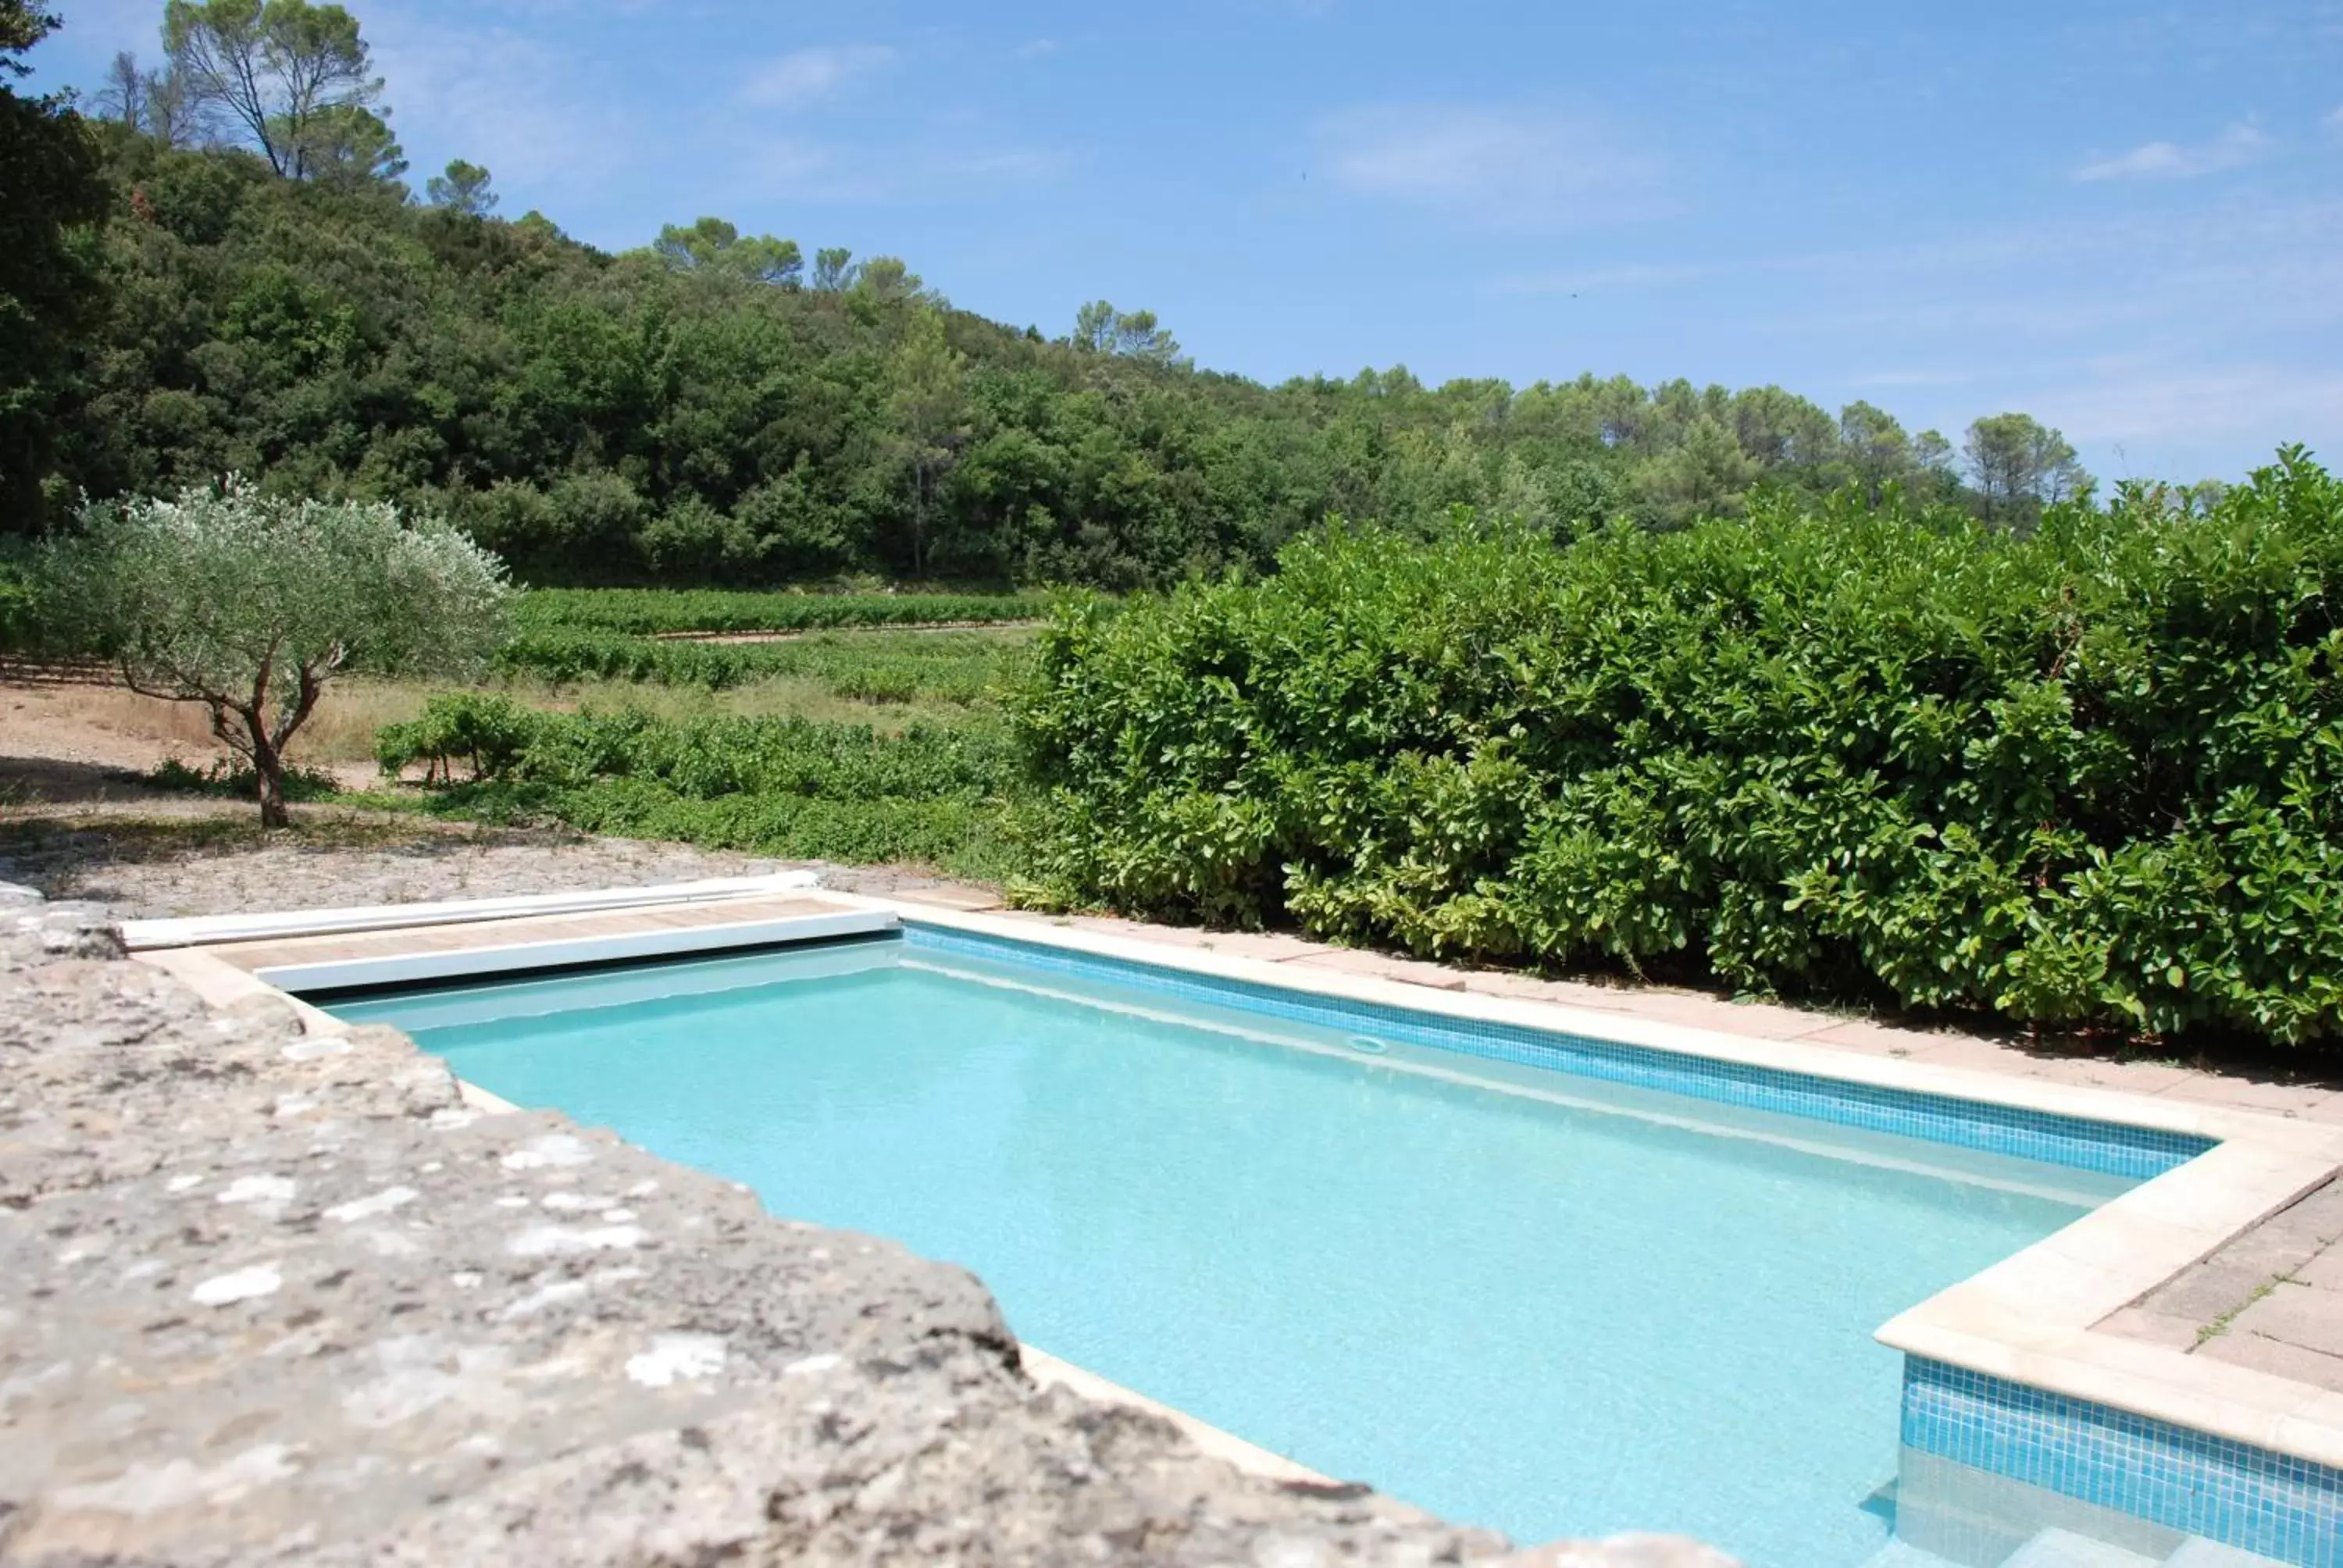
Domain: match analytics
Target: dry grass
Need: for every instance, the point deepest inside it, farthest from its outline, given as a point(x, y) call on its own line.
point(341, 730)
point(777, 697)
point(340, 737)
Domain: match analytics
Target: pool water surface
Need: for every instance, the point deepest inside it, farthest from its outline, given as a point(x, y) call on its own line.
point(1512, 1296)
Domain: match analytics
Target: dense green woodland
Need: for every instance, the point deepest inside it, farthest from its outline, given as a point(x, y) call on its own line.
point(277, 301)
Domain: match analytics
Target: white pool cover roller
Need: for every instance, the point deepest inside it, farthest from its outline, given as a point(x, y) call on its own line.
point(206, 928)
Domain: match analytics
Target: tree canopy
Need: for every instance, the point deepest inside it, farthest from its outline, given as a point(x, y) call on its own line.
point(50, 189)
point(295, 78)
point(271, 298)
point(247, 604)
point(463, 187)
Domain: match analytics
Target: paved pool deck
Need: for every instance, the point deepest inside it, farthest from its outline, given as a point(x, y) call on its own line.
point(2271, 1300)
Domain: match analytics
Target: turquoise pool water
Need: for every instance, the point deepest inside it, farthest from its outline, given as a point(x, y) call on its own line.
point(1508, 1295)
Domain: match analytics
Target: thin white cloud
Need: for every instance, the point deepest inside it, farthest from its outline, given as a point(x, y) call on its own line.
point(1885, 378)
point(1628, 275)
point(1529, 168)
point(1963, 253)
point(502, 98)
point(2242, 260)
point(2189, 402)
point(804, 77)
point(1035, 49)
point(2334, 120)
point(2241, 144)
point(1015, 164)
point(763, 168)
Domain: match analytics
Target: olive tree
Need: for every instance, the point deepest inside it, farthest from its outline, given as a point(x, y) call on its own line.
point(248, 604)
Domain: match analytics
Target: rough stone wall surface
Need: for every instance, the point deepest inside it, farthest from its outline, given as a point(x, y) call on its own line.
point(269, 1296)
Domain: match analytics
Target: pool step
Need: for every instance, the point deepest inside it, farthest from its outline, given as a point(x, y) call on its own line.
point(2064, 1549)
point(2201, 1553)
point(1901, 1554)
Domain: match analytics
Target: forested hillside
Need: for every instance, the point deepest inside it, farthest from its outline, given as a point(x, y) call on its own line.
point(266, 293)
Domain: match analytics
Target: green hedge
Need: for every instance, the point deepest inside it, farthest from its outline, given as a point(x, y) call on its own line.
point(2089, 776)
point(643, 612)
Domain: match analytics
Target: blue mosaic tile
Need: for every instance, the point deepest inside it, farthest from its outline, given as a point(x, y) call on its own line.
point(2107, 1148)
point(2275, 1506)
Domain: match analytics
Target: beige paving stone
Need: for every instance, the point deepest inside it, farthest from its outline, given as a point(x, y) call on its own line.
point(1875, 1039)
point(2323, 1272)
point(1414, 972)
point(952, 896)
point(1761, 1021)
point(1274, 946)
point(2096, 1072)
point(2323, 1208)
point(1565, 993)
point(2297, 1316)
point(2167, 1329)
point(2284, 1244)
point(1114, 926)
point(2328, 1110)
point(1966, 1051)
point(2248, 1094)
point(2276, 1357)
point(460, 936)
point(2211, 1290)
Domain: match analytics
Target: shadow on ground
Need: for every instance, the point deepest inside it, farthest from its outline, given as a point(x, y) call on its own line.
point(32, 782)
point(66, 853)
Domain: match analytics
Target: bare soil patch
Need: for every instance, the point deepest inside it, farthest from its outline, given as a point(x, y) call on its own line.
point(70, 737)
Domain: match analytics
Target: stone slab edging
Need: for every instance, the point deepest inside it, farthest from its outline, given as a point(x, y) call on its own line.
point(1051, 1371)
point(202, 930)
point(2029, 1319)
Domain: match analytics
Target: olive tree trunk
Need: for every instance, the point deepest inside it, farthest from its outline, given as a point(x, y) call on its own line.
point(268, 780)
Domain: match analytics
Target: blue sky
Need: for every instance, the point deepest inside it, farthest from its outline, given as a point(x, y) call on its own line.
point(2125, 219)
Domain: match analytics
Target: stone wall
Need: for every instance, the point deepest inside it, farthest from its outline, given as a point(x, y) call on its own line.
point(267, 1296)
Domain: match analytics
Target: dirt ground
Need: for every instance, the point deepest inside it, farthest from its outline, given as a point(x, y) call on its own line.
point(66, 740)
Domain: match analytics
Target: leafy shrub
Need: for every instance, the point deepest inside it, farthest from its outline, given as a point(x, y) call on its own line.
point(774, 786)
point(237, 781)
point(17, 604)
point(489, 731)
point(250, 603)
point(2089, 776)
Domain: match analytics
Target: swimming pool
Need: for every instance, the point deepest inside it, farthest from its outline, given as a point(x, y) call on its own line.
point(1634, 1294)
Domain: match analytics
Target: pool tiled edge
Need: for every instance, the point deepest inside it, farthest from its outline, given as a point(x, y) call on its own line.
point(2108, 1148)
point(2273, 1505)
point(2018, 1339)
point(2005, 1371)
